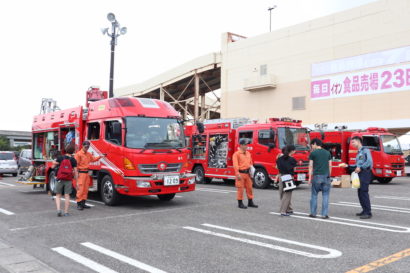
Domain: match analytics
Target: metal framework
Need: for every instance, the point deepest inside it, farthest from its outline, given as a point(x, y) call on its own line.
point(193, 96)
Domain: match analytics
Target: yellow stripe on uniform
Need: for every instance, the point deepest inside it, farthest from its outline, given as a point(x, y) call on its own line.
point(382, 262)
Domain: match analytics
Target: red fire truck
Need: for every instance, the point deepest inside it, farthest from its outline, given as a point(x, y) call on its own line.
point(213, 149)
point(143, 140)
point(388, 159)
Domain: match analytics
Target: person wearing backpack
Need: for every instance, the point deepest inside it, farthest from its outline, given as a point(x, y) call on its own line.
point(67, 171)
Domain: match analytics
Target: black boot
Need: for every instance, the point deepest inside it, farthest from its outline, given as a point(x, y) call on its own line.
point(84, 205)
point(241, 205)
point(251, 204)
point(80, 205)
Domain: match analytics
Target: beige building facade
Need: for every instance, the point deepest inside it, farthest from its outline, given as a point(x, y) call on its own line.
point(350, 68)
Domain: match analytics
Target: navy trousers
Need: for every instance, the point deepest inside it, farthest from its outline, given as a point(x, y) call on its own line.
point(363, 193)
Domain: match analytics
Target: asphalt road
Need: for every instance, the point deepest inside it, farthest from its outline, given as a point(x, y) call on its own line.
point(204, 231)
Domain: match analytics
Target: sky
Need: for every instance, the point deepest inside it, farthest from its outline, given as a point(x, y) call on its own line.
point(55, 49)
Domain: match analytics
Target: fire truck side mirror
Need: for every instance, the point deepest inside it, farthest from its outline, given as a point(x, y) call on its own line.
point(200, 126)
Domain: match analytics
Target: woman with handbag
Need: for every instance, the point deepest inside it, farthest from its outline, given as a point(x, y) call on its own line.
point(286, 165)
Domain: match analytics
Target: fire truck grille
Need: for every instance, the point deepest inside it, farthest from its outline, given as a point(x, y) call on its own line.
point(153, 168)
point(397, 165)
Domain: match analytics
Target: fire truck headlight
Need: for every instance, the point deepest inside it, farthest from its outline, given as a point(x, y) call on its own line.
point(191, 181)
point(143, 184)
point(379, 171)
point(388, 171)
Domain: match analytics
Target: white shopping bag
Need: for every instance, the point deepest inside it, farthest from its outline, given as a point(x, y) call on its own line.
point(355, 180)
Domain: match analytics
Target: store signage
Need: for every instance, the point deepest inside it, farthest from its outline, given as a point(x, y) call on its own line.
point(372, 81)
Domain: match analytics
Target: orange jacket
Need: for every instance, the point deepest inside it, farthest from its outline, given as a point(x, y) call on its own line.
point(84, 159)
point(241, 161)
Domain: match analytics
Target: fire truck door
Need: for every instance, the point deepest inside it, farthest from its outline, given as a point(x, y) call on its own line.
point(263, 148)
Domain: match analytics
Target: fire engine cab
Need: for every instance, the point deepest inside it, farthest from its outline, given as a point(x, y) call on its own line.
point(388, 160)
point(143, 140)
point(213, 149)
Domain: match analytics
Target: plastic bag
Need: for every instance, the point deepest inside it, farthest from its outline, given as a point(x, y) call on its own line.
point(355, 181)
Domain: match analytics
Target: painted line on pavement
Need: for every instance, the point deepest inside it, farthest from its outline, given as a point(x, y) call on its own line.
point(74, 202)
point(83, 260)
point(382, 262)
point(6, 184)
point(345, 221)
point(215, 190)
point(374, 207)
point(7, 212)
point(393, 197)
point(332, 253)
point(122, 258)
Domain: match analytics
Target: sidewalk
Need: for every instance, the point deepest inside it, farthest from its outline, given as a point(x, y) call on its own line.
point(15, 260)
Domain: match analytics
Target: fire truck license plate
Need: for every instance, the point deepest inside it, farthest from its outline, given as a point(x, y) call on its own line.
point(301, 177)
point(171, 180)
point(398, 173)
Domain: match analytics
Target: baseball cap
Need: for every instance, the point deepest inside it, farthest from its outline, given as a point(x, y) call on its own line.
point(86, 143)
point(243, 141)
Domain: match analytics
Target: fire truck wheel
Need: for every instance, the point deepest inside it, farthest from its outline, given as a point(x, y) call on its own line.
point(261, 179)
point(109, 194)
point(52, 180)
point(384, 180)
point(166, 197)
point(199, 174)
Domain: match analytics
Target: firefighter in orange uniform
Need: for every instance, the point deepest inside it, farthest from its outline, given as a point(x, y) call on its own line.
point(242, 162)
point(84, 158)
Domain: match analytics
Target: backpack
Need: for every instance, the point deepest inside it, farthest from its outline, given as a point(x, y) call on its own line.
point(65, 171)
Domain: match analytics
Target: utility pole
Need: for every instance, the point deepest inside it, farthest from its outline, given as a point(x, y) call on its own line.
point(270, 17)
point(116, 30)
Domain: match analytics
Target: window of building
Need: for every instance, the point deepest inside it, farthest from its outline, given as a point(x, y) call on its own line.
point(263, 70)
point(298, 103)
point(248, 135)
point(94, 131)
point(113, 132)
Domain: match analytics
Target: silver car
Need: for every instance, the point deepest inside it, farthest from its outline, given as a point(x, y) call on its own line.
point(8, 164)
point(24, 161)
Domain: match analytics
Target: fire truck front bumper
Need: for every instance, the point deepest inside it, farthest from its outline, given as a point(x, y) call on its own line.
point(157, 184)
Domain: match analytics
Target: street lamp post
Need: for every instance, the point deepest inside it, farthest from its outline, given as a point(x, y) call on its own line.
point(270, 17)
point(116, 30)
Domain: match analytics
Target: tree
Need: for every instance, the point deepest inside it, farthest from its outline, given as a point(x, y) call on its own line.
point(4, 144)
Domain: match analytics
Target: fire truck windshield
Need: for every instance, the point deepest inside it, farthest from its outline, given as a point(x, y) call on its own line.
point(294, 136)
point(154, 133)
point(391, 144)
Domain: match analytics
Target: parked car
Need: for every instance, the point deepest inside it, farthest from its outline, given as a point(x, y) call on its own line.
point(24, 161)
point(8, 163)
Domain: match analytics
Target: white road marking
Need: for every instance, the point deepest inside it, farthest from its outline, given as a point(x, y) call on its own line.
point(83, 260)
point(393, 197)
point(178, 196)
point(74, 202)
point(7, 212)
point(215, 190)
point(375, 207)
point(122, 258)
point(345, 221)
point(332, 253)
point(6, 184)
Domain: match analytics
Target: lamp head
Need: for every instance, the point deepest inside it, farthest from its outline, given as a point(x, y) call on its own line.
point(111, 17)
point(104, 31)
point(123, 30)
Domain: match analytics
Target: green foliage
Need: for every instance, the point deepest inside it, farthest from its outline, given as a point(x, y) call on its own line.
point(4, 144)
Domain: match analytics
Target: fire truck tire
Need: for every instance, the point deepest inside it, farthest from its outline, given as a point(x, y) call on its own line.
point(109, 194)
point(384, 180)
point(261, 179)
point(166, 197)
point(229, 181)
point(199, 174)
point(52, 180)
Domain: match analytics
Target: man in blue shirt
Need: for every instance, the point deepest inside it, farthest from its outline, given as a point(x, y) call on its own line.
point(364, 165)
